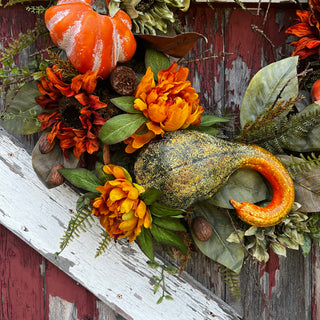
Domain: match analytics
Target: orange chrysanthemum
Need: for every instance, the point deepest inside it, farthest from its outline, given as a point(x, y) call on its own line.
point(307, 30)
point(170, 105)
point(75, 120)
point(119, 207)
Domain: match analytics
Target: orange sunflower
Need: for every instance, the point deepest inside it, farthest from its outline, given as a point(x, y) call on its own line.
point(307, 30)
point(119, 207)
point(73, 116)
point(170, 105)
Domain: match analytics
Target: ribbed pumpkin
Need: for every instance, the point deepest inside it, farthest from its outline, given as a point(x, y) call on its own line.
point(189, 166)
point(92, 41)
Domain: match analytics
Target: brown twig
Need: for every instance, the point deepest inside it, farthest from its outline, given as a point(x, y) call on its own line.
point(254, 28)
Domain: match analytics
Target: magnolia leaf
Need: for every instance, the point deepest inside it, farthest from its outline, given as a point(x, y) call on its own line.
point(244, 185)
point(43, 163)
point(151, 195)
point(21, 116)
point(168, 237)
point(121, 127)
point(169, 223)
point(278, 249)
point(145, 243)
point(217, 247)
point(81, 178)
point(265, 87)
point(295, 141)
point(156, 61)
point(161, 210)
point(125, 103)
point(306, 185)
point(177, 46)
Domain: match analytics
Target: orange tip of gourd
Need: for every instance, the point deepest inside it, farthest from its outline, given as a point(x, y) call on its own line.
point(315, 92)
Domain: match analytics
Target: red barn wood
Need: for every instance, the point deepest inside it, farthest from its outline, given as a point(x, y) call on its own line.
point(33, 288)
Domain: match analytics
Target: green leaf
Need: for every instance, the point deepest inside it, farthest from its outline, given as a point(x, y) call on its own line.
point(150, 196)
point(84, 200)
point(125, 103)
point(265, 87)
point(161, 210)
point(244, 185)
point(217, 248)
point(208, 130)
point(278, 249)
point(168, 237)
point(209, 120)
point(82, 178)
point(153, 264)
point(103, 177)
point(169, 223)
point(121, 127)
point(172, 269)
point(145, 243)
point(20, 116)
point(156, 61)
point(160, 300)
point(306, 246)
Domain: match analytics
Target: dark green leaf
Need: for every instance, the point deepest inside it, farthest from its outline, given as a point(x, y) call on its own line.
point(84, 200)
point(103, 177)
point(265, 87)
point(81, 178)
point(125, 103)
point(168, 237)
point(161, 210)
point(217, 248)
point(156, 61)
point(150, 196)
point(208, 130)
point(169, 223)
point(209, 120)
point(121, 127)
point(21, 115)
point(145, 243)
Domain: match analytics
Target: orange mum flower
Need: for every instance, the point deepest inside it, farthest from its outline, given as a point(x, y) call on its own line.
point(307, 30)
point(170, 105)
point(74, 120)
point(119, 207)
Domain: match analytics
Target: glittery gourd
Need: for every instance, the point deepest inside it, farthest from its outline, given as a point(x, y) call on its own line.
point(189, 166)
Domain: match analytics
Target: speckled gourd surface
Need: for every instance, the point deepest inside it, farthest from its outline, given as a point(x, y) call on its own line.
point(189, 166)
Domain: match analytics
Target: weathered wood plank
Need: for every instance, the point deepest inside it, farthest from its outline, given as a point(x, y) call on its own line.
point(121, 277)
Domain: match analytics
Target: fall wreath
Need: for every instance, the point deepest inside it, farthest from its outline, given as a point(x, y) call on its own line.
point(120, 120)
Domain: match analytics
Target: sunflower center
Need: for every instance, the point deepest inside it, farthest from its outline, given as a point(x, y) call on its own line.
point(144, 5)
point(69, 108)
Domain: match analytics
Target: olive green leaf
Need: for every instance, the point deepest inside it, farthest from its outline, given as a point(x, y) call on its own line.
point(145, 243)
point(43, 163)
point(244, 185)
point(84, 200)
point(168, 237)
point(209, 120)
point(161, 210)
point(21, 116)
point(217, 248)
point(168, 223)
point(103, 177)
point(265, 87)
point(156, 61)
point(125, 103)
point(208, 130)
point(81, 178)
point(121, 127)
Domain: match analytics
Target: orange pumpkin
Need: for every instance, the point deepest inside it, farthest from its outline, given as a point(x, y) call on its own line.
point(92, 41)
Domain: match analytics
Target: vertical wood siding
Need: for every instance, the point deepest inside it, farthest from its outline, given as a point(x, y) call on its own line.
point(32, 287)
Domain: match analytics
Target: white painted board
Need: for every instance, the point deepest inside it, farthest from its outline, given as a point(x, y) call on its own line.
point(120, 277)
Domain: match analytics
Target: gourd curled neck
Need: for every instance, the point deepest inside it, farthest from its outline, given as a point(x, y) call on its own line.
point(283, 190)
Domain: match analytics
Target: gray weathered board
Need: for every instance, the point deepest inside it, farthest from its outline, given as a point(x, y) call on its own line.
point(39, 216)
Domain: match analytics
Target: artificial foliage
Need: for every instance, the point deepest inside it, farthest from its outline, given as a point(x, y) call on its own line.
point(129, 154)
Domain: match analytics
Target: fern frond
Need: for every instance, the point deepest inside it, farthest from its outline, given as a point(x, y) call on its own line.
point(79, 222)
point(232, 281)
point(36, 9)
point(302, 164)
point(103, 244)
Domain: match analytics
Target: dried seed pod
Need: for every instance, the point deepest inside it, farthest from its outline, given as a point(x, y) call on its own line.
point(44, 145)
point(123, 80)
point(201, 228)
point(56, 178)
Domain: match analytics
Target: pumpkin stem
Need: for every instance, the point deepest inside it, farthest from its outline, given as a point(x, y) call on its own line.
point(283, 190)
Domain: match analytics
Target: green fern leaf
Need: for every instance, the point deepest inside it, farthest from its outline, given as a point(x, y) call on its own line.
point(103, 244)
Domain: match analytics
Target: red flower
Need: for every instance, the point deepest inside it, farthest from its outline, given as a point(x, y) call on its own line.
point(307, 30)
point(75, 120)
